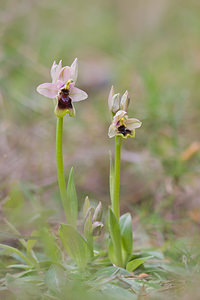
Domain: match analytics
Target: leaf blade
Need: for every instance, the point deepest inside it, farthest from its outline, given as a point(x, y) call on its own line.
point(135, 263)
point(71, 205)
point(75, 245)
point(125, 224)
point(115, 251)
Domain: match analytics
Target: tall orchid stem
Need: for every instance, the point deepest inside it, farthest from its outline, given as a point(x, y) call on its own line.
point(116, 209)
point(59, 159)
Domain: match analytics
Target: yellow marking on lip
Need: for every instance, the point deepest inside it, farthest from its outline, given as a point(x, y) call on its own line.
point(122, 122)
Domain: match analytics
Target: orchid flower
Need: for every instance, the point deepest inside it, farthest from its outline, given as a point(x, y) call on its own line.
point(63, 88)
point(115, 103)
point(123, 126)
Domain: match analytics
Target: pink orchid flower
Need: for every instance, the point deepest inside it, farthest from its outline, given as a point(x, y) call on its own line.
point(63, 88)
point(123, 126)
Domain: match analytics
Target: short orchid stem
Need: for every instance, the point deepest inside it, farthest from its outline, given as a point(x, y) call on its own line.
point(116, 208)
point(59, 159)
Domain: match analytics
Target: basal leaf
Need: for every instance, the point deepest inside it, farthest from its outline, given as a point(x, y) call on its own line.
point(75, 245)
point(50, 245)
point(125, 223)
point(55, 278)
point(115, 251)
point(134, 264)
point(71, 205)
point(11, 250)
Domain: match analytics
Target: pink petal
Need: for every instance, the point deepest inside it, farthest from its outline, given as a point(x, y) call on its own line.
point(115, 103)
point(112, 131)
point(55, 70)
point(111, 94)
point(59, 84)
point(49, 90)
point(64, 74)
point(77, 94)
point(133, 123)
point(74, 70)
point(120, 114)
point(71, 85)
point(125, 101)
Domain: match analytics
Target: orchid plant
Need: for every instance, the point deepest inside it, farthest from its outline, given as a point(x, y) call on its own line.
point(78, 237)
point(63, 89)
point(120, 228)
point(78, 245)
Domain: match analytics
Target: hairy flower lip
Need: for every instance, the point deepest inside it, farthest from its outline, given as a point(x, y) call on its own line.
point(64, 101)
point(63, 77)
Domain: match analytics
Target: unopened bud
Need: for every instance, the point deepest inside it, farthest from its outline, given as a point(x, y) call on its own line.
point(113, 101)
point(97, 228)
point(86, 206)
point(98, 212)
point(88, 229)
point(125, 100)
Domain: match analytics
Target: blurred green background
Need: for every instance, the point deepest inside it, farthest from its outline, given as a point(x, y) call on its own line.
point(151, 48)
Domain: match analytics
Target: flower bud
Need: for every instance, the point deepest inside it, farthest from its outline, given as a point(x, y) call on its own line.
point(98, 212)
point(88, 229)
point(125, 100)
point(86, 206)
point(97, 228)
point(113, 101)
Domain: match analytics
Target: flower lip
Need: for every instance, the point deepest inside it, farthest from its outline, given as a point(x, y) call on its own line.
point(64, 101)
point(124, 130)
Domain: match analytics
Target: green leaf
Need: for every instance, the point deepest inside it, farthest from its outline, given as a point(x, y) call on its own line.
point(115, 251)
point(75, 245)
point(12, 250)
point(125, 224)
point(111, 178)
point(50, 245)
point(71, 205)
point(15, 199)
point(113, 291)
point(19, 266)
point(31, 243)
point(24, 288)
point(55, 278)
point(134, 264)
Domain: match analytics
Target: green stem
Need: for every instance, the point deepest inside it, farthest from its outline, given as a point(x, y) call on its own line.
point(116, 209)
point(59, 159)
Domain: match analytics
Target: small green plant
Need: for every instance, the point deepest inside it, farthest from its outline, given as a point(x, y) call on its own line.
point(120, 227)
